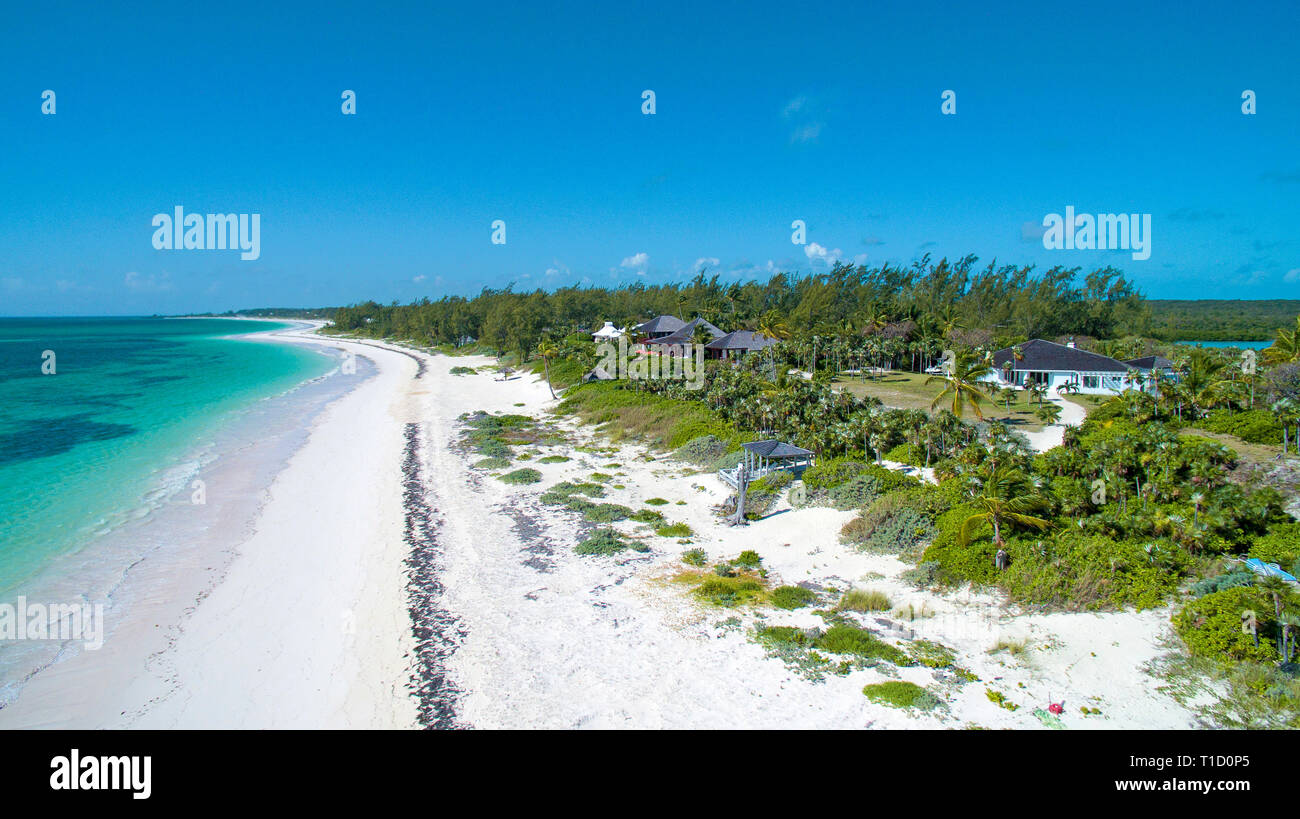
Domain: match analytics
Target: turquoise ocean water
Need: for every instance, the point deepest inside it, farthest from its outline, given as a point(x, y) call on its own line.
point(98, 443)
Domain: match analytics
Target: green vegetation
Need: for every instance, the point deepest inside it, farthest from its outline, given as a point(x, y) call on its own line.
point(864, 600)
point(553, 459)
point(695, 557)
point(603, 542)
point(463, 371)
point(657, 502)
point(792, 597)
point(901, 694)
point(1140, 504)
point(521, 476)
point(648, 516)
point(674, 530)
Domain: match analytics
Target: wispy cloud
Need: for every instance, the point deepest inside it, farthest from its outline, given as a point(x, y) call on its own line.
point(147, 284)
point(806, 116)
point(819, 253)
point(706, 262)
point(636, 261)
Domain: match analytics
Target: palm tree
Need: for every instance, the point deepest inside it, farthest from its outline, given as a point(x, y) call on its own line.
point(962, 384)
point(1286, 347)
point(1036, 391)
point(1048, 413)
point(547, 349)
point(1286, 411)
point(1006, 497)
point(772, 325)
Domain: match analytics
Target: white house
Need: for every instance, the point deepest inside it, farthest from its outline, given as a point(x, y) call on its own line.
point(1055, 365)
point(607, 333)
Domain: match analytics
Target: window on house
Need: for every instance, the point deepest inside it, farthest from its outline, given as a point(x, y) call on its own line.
point(1091, 381)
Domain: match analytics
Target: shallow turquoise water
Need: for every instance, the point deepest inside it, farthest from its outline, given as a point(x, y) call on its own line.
point(87, 448)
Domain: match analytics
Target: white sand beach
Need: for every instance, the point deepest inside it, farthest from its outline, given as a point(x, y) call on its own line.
point(310, 624)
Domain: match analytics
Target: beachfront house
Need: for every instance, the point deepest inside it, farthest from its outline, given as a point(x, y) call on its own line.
point(1054, 365)
point(764, 457)
point(679, 342)
point(736, 344)
point(658, 327)
point(607, 333)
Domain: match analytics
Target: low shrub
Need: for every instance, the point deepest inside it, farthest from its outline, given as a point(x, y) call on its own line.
point(521, 476)
point(492, 463)
point(846, 639)
point(748, 559)
point(1212, 625)
point(647, 516)
point(553, 459)
point(1209, 585)
point(463, 371)
point(864, 600)
point(563, 492)
point(900, 694)
point(657, 502)
point(729, 591)
point(674, 530)
point(1280, 545)
point(703, 451)
point(1255, 426)
point(602, 542)
point(695, 557)
point(931, 654)
point(792, 597)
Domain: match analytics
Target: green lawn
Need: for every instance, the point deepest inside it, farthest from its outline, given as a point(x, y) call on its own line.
point(906, 390)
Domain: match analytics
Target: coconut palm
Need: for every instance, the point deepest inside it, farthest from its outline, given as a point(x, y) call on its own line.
point(1286, 347)
point(1006, 497)
point(548, 349)
point(1048, 413)
point(1287, 412)
point(962, 384)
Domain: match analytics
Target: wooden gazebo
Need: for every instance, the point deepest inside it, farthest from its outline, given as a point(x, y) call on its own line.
point(763, 457)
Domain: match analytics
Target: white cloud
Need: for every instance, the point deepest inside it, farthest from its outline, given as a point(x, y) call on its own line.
point(419, 278)
point(638, 260)
point(794, 106)
point(706, 261)
point(816, 252)
point(806, 133)
point(1291, 276)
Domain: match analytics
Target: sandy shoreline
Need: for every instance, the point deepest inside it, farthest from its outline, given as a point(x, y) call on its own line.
point(306, 627)
point(391, 584)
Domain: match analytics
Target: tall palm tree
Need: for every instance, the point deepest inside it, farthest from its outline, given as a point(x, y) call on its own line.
point(1287, 412)
point(547, 349)
point(772, 325)
point(962, 384)
point(1286, 347)
point(1006, 498)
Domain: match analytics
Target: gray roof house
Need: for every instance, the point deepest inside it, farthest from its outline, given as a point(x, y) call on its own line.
point(679, 342)
point(737, 344)
point(1055, 365)
point(659, 326)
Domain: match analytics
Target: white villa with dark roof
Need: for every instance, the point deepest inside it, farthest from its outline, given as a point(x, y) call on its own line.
point(1056, 365)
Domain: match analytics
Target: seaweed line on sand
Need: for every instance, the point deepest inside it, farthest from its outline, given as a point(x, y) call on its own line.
point(437, 631)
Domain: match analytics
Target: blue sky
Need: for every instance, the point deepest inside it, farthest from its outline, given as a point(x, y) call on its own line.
point(531, 113)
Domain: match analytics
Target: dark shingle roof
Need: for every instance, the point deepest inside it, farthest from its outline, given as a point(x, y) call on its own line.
point(1048, 355)
point(741, 340)
point(661, 324)
point(773, 448)
point(687, 332)
point(1151, 362)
